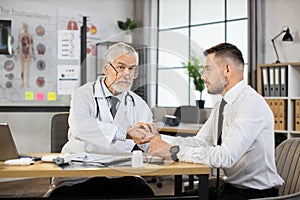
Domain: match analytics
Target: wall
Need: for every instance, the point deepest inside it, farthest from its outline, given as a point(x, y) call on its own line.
point(31, 131)
point(279, 13)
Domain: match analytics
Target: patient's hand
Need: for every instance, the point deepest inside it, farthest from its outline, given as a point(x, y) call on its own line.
point(160, 148)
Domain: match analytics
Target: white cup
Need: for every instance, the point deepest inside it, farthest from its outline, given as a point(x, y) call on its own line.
point(137, 159)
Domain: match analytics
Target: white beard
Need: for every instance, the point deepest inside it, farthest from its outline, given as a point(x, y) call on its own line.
point(120, 88)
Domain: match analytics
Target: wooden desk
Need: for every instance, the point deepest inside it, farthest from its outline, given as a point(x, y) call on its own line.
point(185, 128)
point(42, 170)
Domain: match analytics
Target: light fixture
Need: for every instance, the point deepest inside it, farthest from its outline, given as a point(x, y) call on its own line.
point(287, 37)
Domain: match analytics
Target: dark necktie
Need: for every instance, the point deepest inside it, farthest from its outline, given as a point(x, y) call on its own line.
point(113, 109)
point(220, 121)
point(220, 126)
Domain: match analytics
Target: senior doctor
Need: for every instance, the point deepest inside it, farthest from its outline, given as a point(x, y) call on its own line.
point(106, 117)
point(92, 126)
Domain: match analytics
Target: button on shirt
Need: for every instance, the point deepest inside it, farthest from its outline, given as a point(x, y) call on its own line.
point(247, 151)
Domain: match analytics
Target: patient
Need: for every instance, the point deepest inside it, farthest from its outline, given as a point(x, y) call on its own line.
point(238, 137)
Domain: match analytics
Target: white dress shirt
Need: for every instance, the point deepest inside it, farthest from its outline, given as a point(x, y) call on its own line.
point(247, 151)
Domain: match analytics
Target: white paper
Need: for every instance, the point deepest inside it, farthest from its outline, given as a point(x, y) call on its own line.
point(68, 45)
point(67, 78)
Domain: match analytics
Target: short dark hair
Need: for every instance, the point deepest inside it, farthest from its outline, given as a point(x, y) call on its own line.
point(226, 50)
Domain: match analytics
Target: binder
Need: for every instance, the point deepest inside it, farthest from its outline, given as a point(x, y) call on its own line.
point(282, 114)
point(276, 114)
point(271, 81)
point(283, 81)
point(297, 115)
point(265, 81)
point(271, 103)
point(277, 81)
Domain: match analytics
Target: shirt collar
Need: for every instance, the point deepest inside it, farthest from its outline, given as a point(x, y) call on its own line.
point(231, 95)
point(108, 93)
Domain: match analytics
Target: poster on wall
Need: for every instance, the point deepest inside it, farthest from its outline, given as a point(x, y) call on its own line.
point(41, 62)
point(28, 74)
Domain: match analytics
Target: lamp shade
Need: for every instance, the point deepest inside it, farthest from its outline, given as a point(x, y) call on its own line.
point(287, 36)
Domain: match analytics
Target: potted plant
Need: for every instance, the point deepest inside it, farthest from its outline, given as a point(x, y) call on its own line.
point(127, 26)
point(195, 70)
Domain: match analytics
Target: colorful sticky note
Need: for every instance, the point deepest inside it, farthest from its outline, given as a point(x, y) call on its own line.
point(29, 96)
point(39, 96)
point(51, 96)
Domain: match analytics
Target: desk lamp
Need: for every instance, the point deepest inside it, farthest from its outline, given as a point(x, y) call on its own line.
point(287, 37)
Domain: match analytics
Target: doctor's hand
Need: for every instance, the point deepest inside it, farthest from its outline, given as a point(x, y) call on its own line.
point(160, 148)
point(142, 132)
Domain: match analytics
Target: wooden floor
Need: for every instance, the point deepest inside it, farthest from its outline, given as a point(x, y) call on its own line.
point(38, 186)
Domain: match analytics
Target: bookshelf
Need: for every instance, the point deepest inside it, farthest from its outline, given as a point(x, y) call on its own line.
point(279, 83)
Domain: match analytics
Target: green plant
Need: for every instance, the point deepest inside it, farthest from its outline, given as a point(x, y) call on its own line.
point(129, 24)
point(195, 70)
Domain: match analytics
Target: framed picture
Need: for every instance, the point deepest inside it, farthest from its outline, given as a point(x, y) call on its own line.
point(5, 37)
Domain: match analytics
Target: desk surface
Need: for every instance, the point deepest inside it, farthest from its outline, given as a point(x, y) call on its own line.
point(181, 128)
point(42, 169)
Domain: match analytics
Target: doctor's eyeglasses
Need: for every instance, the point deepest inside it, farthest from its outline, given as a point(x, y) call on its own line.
point(122, 68)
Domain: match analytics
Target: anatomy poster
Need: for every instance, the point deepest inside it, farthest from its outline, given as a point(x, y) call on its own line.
point(28, 76)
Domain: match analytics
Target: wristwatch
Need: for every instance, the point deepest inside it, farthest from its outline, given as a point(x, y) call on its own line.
point(174, 150)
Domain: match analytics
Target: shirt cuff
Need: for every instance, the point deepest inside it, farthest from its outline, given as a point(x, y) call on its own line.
point(120, 135)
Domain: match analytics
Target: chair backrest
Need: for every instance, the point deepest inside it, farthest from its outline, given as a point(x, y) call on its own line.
point(188, 114)
point(287, 157)
point(59, 131)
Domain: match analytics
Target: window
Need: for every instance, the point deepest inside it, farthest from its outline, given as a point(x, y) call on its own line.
point(186, 26)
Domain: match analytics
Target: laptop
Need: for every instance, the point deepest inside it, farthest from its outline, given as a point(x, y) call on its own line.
point(8, 149)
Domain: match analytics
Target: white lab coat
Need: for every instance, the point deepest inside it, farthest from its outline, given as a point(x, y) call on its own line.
point(96, 135)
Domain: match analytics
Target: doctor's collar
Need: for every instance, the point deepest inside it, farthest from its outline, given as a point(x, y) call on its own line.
point(108, 93)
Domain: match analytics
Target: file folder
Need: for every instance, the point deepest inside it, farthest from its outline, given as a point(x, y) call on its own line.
point(265, 81)
point(271, 81)
point(277, 81)
point(283, 81)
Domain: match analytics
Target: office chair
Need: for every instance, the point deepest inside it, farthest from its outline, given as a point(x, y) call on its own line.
point(59, 131)
point(188, 114)
point(287, 158)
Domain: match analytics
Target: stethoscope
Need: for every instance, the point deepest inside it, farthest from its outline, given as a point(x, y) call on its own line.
point(96, 100)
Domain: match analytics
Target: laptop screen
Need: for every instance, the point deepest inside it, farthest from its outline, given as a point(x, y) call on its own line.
point(8, 149)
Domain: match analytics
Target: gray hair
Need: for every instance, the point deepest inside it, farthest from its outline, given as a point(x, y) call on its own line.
point(119, 49)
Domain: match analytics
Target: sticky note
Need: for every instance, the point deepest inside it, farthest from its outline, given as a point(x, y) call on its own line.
point(29, 96)
point(51, 96)
point(40, 96)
